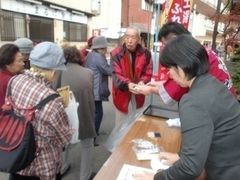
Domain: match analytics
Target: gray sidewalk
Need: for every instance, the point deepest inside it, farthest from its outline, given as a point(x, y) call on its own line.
point(101, 154)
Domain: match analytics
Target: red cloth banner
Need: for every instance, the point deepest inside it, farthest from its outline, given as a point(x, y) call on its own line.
point(180, 11)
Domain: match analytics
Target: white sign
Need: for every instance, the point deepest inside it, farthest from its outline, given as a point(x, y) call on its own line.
point(159, 1)
point(41, 10)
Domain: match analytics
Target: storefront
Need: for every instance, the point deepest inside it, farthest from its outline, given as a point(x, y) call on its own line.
point(41, 22)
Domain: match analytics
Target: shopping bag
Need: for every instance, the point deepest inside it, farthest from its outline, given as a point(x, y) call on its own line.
point(72, 113)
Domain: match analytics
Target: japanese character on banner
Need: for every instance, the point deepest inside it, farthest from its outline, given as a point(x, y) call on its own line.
point(186, 15)
point(176, 13)
point(180, 11)
point(177, 9)
point(187, 4)
point(176, 18)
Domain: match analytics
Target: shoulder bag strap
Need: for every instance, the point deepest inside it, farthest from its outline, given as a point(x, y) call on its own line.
point(46, 100)
point(9, 88)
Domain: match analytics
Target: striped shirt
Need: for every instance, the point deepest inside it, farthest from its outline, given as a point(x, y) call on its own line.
point(51, 128)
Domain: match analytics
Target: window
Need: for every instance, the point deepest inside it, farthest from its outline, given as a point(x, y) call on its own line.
point(147, 5)
point(75, 31)
point(12, 25)
point(41, 29)
point(96, 6)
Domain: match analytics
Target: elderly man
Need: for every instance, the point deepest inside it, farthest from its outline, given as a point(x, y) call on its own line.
point(132, 65)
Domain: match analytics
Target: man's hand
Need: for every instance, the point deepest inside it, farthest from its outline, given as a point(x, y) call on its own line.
point(133, 88)
point(141, 83)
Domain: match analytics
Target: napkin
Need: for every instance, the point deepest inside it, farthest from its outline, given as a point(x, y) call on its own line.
point(174, 122)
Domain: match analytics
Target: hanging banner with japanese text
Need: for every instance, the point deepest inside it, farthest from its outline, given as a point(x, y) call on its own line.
point(177, 11)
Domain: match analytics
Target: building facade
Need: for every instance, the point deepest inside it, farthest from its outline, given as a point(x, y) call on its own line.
point(75, 21)
point(115, 16)
point(53, 20)
point(200, 24)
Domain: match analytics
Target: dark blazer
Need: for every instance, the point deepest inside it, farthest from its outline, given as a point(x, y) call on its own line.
point(210, 124)
point(80, 80)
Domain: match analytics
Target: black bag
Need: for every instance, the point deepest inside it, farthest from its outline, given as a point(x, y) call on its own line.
point(17, 142)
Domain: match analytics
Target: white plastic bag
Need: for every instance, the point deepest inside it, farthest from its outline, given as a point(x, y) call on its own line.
point(71, 111)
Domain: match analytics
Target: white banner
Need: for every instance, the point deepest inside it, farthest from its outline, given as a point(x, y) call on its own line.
point(43, 11)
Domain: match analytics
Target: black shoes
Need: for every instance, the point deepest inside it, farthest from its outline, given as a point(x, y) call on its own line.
point(94, 143)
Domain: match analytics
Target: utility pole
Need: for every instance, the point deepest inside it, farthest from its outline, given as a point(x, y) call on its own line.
point(215, 29)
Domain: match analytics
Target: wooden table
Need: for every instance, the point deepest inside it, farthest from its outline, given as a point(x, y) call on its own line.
point(170, 140)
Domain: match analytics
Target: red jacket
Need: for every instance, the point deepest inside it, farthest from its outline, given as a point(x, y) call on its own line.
point(122, 75)
point(171, 92)
point(83, 55)
point(5, 76)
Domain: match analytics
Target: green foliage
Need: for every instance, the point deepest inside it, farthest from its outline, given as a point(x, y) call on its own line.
point(236, 77)
point(236, 56)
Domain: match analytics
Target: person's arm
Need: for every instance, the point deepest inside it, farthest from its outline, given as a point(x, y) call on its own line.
point(103, 66)
point(148, 69)
point(58, 123)
point(148, 89)
point(170, 92)
point(219, 70)
point(118, 77)
point(197, 132)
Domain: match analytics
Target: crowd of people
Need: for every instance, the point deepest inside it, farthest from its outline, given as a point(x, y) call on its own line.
point(194, 77)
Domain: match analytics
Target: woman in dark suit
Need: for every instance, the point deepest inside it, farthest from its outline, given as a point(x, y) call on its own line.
point(209, 114)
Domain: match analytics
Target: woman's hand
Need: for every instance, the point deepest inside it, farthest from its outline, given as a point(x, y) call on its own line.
point(156, 83)
point(146, 90)
point(168, 158)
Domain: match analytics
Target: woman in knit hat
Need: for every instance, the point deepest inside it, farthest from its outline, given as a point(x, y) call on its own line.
point(51, 128)
point(25, 46)
point(97, 62)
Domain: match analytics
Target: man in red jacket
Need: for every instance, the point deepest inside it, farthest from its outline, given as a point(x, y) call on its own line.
point(169, 91)
point(131, 65)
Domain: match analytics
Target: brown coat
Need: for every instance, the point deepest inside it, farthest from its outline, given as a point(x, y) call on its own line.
point(80, 80)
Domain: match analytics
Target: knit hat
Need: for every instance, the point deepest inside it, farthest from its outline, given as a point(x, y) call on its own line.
point(25, 45)
point(48, 55)
point(99, 42)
